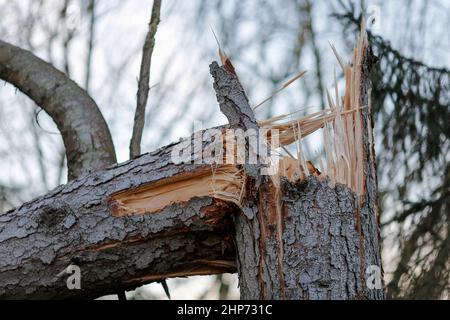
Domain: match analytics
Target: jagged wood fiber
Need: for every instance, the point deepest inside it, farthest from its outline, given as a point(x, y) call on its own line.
point(86, 136)
point(288, 239)
point(310, 239)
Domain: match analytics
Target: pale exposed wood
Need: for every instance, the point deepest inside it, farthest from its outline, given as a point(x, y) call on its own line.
point(341, 126)
point(288, 168)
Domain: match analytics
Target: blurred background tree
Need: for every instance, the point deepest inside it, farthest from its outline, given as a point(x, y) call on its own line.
point(98, 43)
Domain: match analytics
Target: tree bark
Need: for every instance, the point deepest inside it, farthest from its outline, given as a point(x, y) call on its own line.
point(321, 252)
point(86, 136)
point(76, 224)
point(144, 81)
point(150, 219)
point(304, 240)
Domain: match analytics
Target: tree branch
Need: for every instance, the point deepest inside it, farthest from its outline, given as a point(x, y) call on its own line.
point(86, 136)
point(308, 238)
point(107, 224)
point(233, 103)
point(144, 80)
point(92, 22)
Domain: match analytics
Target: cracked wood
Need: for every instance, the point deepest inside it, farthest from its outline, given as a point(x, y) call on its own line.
point(86, 136)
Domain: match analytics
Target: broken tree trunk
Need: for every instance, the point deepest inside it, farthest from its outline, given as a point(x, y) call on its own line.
point(296, 234)
point(123, 227)
point(86, 135)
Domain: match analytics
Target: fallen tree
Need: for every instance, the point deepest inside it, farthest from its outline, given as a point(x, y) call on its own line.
point(301, 233)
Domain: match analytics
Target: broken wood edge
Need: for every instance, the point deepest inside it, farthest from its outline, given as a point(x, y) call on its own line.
point(222, 182)
point(202, 268)
point(342, 126)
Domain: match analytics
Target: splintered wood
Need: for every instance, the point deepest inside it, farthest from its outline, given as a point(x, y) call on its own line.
point(341, 126)
point(223, 182)
point(342, 129)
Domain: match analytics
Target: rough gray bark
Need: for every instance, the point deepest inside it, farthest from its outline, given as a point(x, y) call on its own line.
point(305, 240)
point(317, 254)
point(86, 136)
point(74, 225)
